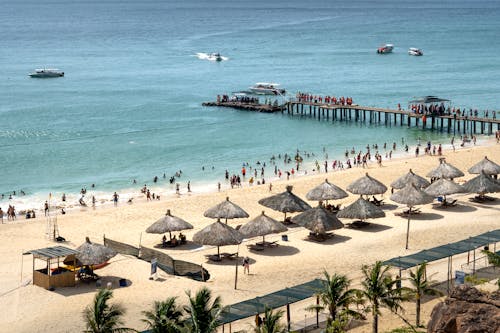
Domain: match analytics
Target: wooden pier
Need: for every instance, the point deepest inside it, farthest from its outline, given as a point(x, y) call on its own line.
point(268, 108)
point(450, 123)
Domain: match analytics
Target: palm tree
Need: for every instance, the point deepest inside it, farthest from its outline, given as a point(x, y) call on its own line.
point(203, 317)
point(165, 317)
point(100, 317)
point(421, 287)
point(335, 295)
point(380, 290)
point(271, 322)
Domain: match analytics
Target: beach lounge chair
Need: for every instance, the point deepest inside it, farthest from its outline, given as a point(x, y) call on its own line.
point(319, 237)
point(86, 274)
point(377, 202)
point(255, 247)
point(358, 224)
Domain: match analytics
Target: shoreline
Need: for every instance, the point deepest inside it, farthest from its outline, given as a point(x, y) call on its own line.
point(209, 185)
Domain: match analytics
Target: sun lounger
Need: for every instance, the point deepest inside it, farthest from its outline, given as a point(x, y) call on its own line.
point(267, 244)
point(86, 274)
point(319, 237)
point(213, 257)
point(404, 213)
point(377, 202)
point(358, 224)
point(226, 255)
point(255, 247)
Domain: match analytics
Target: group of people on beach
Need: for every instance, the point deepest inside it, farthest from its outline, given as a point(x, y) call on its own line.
point(11, 213)
point(310, 98)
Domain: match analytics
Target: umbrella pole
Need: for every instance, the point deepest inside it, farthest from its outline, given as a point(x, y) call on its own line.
point(170, 233)
point(218, 252)
point(408, 228)
point(284, 221)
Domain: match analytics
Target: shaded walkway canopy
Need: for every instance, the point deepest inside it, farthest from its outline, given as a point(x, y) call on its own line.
point(274, 300)
point(444, 251)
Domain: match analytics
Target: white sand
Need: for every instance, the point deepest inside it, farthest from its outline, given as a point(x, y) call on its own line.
point(27, 308)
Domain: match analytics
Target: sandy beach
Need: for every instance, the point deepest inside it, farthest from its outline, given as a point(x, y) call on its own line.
point(28, 308)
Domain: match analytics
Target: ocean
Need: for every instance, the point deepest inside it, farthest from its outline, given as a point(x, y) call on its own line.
point(129, 106)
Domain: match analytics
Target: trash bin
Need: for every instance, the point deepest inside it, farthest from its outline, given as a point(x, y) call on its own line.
point(284, 238)
point(123, 283)
point(98, 284)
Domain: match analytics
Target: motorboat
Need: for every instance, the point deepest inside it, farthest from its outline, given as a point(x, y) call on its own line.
point(215, 57)
point(266, 88)
point(415, 52)
point(46, 72)
point(384, 49)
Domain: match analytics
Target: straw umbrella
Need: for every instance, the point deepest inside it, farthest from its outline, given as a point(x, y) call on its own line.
point(168, 223)
point(410, 178)
point(487, 166)
point(361, 209)
point(481, 185)
point(366, 185)
point(285, 202)
point(225, 210)
point(326, 191)
point(262, 225)
point(444, 187)
point(445, 170)
point(93, 254)
point(218, 234)
point(318, 219)
point(411, 196)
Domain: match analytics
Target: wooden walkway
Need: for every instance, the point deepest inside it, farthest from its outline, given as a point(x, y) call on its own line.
point(374, 115)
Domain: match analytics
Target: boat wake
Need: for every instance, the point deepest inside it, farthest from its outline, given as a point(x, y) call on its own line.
point(209, 57)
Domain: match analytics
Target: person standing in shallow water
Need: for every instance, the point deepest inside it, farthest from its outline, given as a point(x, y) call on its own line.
point(115, 198)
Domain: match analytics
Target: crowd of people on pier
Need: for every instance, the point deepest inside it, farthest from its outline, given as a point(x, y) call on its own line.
point(310, 98)
point(442, 110)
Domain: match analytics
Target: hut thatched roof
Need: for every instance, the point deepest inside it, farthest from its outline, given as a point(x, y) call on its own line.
point(285, 202)
point(226, 210)
point(318, 220)
point(411, 196)
point(445, 170)
point(93, 254)
point(326, 191)
point(218, 234)
point(444, 186)
point(482, 184)
point(262, 225)
point(168, 223)
point(366, 185)
point(487, 166)
point(361, 209)
point(410, 177)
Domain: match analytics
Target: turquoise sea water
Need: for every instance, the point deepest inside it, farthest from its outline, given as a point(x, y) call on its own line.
point(129, 106)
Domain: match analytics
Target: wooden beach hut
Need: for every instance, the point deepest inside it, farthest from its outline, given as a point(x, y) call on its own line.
point(53, 276)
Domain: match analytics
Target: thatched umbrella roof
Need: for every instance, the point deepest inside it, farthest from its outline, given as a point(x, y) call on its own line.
point(168, 223)
point(487, 166)
point(411, 196)
point(262, 225)
point(445, 170)
point(285, 202)
point(366, 185)
point(318, 219)
point(326, 191)
point(444, 186)
point(93, 254)
point(225, 210)
point(410, 178)
point(361, 209)
point(218, 234)
point(482, 184)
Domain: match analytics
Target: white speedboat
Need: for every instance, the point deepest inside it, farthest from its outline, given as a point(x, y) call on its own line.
point(215, 57)
point(46, 72)
point(384, 49)
point(415, 52)
point(266, 88)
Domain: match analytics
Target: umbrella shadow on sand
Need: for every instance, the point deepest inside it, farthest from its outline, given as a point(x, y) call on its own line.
point(388, 206)
point(83, 287)
point(457, 208)
point(425, 216)
point(371, 227)
point(278, 251)
point(335, 239)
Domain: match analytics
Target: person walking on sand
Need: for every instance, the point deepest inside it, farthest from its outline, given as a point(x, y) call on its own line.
point(1, 215)
point(177, 189)
point(46, 208)
point(115, 198)
point(246, 265)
